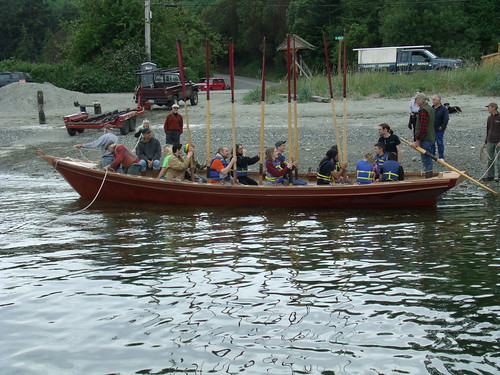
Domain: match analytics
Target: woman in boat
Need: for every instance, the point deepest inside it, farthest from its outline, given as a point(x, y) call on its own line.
point(242, 163)
point(330, 169)
point(196, 165)
point(177, 165)
point(275, 169)
point(145, 124)
point(365, 170)
point(167, 151)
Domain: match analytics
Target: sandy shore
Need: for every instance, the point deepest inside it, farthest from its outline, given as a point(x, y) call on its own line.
point(20, 133)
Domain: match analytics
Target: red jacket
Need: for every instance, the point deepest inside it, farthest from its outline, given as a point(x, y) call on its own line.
point(125, 157)
point(173, 122)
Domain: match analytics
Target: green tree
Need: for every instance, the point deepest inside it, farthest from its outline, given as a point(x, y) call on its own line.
point(23, 28)
point(104, 25)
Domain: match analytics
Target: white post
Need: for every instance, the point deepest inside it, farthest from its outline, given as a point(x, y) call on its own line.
point(147, 27)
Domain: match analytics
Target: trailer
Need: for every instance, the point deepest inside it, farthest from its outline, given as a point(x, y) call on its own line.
point(124, 120)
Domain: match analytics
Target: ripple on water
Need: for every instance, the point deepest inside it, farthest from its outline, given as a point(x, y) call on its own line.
point(118, 290)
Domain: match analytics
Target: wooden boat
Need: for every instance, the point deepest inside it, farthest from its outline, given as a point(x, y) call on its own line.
point(88, 180)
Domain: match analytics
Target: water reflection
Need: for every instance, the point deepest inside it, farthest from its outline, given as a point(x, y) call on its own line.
point(144, 289)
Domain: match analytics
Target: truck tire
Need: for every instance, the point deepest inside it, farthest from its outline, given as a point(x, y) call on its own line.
point(80, 130)
point(71, 132)
point(124, 128)
point(132, 124)
point(194, 98)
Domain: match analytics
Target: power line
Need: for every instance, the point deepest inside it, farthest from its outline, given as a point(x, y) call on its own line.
point(294, 4)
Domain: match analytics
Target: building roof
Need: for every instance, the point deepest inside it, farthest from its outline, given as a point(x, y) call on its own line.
point(299, 44)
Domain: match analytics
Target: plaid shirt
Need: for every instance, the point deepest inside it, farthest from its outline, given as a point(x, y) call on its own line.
point(423, 119)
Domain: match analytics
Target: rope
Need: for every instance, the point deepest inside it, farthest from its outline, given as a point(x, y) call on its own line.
point(72, 213)
point(492, 163)
point(93, 200)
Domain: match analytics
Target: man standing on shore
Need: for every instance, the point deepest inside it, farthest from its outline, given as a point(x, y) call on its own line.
point(173, 126)
point(424, 131)
point(492, 142)
point(441, 118)
point(104, 141)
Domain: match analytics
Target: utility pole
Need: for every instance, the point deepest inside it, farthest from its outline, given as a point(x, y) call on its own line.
point(147, 27)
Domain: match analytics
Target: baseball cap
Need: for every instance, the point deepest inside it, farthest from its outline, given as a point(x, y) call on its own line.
point(279, 143)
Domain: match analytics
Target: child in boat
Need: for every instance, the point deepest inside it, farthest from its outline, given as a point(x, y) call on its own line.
point(365, 170)
point(330, 170)
point(380, 157)
point(167, 151)
point(390, 169)
point(275, 169)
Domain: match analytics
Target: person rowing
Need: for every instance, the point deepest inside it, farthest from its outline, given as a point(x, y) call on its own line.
point(276, 169)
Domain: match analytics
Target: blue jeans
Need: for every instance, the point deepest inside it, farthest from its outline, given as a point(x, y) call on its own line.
point(134, 169)
point(298, 182)
point(493, 149)
point(440, 144)
point(427, 161)
point(144, 165)
point(107, 160)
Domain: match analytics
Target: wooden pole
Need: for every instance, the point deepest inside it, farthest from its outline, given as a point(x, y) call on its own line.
point(288, 65)
point(295, 111)
point(262, 110)
point(41, 113)
point(344, 101)
point(207, 63)
point(233, 115)
point(330, 86)
point(183, 83)
point(445, 164)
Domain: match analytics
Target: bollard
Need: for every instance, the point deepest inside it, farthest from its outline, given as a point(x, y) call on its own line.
point(41, 113)
point(97, 108)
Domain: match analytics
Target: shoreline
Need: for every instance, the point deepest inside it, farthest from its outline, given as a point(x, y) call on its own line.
point(20, 133)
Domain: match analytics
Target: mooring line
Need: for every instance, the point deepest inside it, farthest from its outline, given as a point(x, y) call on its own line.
point(72, 213)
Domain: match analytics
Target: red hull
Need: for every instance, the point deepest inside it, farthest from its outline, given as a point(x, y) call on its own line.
point(411, 193)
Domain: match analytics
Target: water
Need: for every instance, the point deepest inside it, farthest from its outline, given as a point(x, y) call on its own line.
point(139, 289)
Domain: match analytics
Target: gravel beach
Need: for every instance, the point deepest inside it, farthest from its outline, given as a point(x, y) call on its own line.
point(20, 133)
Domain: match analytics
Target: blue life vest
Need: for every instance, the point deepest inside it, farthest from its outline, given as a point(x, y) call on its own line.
point(214, 175)
point(379, 160)
point(364, 172)
point(390, 170)
point(271, 178)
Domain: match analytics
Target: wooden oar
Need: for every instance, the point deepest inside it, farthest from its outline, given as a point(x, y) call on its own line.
point(183, 83)
point(233, 115)
point(262, 110)
point(207, 63)
point(330, 86)
point(295, 112)
point(443, 163)
point(344, 100)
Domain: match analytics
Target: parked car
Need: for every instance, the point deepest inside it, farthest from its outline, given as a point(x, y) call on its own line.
point(11, 77)
point(213, 84)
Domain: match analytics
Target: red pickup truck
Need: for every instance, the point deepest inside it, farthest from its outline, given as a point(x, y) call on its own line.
point(163, 87)
point(213, 84)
